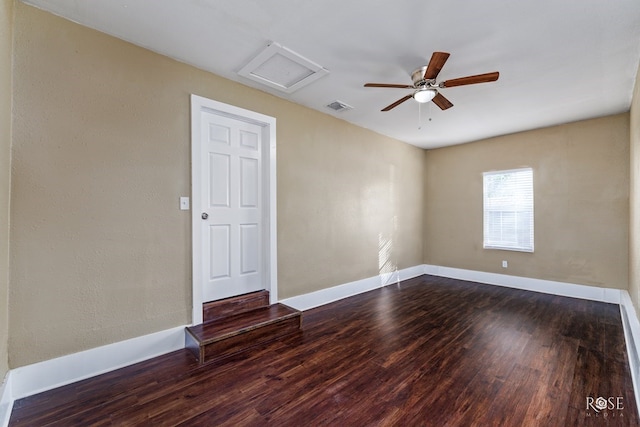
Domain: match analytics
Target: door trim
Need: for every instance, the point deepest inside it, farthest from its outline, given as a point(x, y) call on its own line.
point(269, 205)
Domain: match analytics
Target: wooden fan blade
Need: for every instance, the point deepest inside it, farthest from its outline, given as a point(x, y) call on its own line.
point(395, 104)
point(470, 80)
point(388, 85)
point(442, 102)
point(435, 65)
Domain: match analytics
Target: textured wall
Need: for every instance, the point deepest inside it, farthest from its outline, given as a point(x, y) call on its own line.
point(581, 187)
point(100, 251)
point(6, 7)
point(349, 204)
point(634, 232)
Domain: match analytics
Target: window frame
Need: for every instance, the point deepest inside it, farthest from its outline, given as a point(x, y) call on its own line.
point(515, 209)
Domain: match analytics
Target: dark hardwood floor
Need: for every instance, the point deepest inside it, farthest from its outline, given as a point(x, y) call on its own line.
point(427, 352)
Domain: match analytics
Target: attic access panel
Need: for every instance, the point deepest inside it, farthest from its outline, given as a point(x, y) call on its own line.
point(282, 69)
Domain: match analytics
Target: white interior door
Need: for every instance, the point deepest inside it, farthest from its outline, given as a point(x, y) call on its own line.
point(231, 217)
point(233, 191)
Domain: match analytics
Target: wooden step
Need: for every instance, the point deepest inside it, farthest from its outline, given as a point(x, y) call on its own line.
point(235, 305)
point(215, 340)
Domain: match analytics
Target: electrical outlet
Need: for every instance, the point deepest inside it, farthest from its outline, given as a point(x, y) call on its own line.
point(505, 264)
point(184, 203)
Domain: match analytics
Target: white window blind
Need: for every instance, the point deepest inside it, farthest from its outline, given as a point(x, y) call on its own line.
point(508, 210)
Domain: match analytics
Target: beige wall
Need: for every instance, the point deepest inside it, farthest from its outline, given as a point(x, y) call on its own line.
point(581, 184)
point(346, 197)
point(634, 232)
point(100, 252)
point(101, 153)
point(6, 7)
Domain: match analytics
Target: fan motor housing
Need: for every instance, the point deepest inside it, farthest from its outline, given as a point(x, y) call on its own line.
point(418, 78)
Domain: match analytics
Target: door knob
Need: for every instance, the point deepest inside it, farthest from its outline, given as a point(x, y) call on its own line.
point(205, 215)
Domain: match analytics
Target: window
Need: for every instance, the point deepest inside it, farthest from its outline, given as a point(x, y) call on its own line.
point(508, 210)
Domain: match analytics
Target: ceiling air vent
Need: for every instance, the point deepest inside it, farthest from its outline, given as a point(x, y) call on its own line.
point(339, 106)
point(282, 69)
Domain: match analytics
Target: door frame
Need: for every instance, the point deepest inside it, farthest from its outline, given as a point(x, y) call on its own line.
point(269, 212)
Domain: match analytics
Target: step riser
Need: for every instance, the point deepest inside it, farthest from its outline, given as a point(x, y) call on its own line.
point(230, 346)
point(191, 343)
point(219, 309)
point(225, 337)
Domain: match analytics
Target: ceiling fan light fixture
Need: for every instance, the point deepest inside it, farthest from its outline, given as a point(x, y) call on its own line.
point(427, 89)
point(424, 95)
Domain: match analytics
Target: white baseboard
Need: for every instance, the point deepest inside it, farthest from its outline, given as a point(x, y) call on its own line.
point(49, 374)
point(630, 321)
point(6, 402)
point(335, 293)
point(29, 380)
point(631, 326)
point(592, 293)
point(328, 295)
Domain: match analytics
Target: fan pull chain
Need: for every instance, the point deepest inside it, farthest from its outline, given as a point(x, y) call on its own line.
point(420, 114)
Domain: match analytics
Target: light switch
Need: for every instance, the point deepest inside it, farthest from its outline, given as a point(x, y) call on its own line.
point(184, 203)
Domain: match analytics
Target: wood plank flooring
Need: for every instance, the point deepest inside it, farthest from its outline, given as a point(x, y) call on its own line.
point(427, 352)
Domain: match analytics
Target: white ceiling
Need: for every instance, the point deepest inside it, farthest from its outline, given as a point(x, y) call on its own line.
point(559, 61)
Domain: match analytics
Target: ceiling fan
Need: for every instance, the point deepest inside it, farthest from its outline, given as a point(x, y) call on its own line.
point(425, 87)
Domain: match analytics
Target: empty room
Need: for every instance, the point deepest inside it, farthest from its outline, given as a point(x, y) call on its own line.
point(342, 213)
